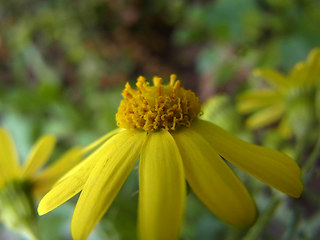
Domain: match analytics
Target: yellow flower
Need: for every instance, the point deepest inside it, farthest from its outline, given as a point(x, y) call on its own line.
point(159, 123)
point(20, 185)
point(287, 98)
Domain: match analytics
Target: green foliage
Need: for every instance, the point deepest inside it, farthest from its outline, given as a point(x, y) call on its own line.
point(63, 65)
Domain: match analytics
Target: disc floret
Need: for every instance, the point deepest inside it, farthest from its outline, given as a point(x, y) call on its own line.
point(157, 107)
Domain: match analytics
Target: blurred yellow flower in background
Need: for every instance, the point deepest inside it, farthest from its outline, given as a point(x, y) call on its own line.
point(289, 99)
point(160, 124)
point(21, 185)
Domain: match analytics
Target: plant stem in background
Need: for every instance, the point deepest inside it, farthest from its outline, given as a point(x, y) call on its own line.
point(293, 224)
point(263, 220)
point(300, 149)
point(307, 170)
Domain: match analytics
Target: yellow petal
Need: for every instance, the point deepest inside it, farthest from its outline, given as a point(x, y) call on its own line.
point(307, 72)
point(105, 181)
point(298, 73)
point(313, 66)
point(68, 186)
point(9, 167)
point(272, 167)
point(100, 140)
point(162, 188)
point(265, 116)
point(38, 155)
point(73, 181)
point(213, 181)
point(253, 100)
point(273, 77)
point(49, 176)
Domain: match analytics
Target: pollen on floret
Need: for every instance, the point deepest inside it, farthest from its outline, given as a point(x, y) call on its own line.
point(157, 107)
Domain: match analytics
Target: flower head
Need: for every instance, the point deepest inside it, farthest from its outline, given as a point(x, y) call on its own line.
point(20, 185)
point(288, 98)
point(151, 108)
point(159, 123)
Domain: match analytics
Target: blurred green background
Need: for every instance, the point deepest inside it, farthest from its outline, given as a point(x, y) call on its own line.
point(63, 65)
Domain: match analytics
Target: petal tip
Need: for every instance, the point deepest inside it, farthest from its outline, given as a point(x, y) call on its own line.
point(50, 137)
point(299, 192)
point(41, 209)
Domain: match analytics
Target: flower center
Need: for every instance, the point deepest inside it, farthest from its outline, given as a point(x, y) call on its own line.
point(160, 106)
